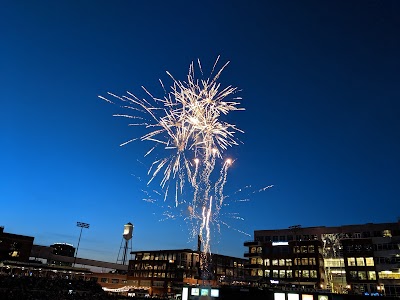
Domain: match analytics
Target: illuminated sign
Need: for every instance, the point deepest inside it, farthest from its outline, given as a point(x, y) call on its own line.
point(185, 293)
point(274, 281)
point(195, 292)
point(293, 296)
point(279, 296)
point(204, 292)
point(214, 293)
point(280, 244)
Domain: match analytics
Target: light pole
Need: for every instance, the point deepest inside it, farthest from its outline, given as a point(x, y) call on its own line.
point(81, 225)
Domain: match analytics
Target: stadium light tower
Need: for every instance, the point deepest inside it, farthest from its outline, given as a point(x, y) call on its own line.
point(81, 225)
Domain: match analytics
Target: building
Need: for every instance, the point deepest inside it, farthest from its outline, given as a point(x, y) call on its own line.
point(166, 271)
point(62, 249)
point(355, 259)
point(15, 247)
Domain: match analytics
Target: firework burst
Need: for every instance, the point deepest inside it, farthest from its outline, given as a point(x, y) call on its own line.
point(186, 124)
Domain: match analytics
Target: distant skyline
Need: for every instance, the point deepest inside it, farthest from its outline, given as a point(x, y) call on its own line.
point(319, 82)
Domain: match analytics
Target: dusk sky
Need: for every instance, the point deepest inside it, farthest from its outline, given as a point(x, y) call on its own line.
point(320, 83)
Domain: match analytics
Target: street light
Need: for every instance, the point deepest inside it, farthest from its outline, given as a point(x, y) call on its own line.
point(81, 225)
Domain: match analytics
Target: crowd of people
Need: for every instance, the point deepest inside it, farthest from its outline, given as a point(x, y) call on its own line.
point(14, 287)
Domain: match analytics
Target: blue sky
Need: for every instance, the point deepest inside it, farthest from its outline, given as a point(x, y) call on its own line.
point(319, 82)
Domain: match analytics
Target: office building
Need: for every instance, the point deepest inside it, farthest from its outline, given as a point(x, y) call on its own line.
point(359, 259)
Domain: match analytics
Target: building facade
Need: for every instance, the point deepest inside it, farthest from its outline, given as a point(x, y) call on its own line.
point(166, 271)
point(62, 249)
point(15, 247)
point(355, 259)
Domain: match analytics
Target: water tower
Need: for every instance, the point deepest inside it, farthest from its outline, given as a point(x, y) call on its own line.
point(126, 243)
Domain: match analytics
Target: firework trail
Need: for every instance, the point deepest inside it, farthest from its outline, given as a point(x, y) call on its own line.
point(186, 124)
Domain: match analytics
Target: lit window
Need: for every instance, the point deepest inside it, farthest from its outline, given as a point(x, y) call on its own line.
point(313, 273)
point(360, 261)
point(371, 275)
point(275, 273)
point(369, 261)
point(274, 262)
point(306, 273)
point(289, 274)
point(288, 262)
point(387, 233)
point(266, 262)
point(362, 275)
point(351, 261)
point(267, 272)
point(281, 262)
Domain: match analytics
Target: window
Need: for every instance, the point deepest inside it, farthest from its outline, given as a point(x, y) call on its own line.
point(260, 273)
point(353, 275)
point(275, 273)
point(387, 233)
point(288, 262)
point(360, 261)
point(369, 261)
point(282, 238)
point(357, 235)
point(275, 238)
point(274, 262)
point(304, 261)
point(306, 273)
point(282, 274)
point(114, 280)
point(259, 261)
point(377, 234)
point(290, 237)
point(313, 273)
point(259, 249)
point(371, 275)
point(311, 261)
point(253, 250)
point(281, 262)
point(105, 280)
point(266, 262)
point(289, 274)
point(311, 249)
point(296, 249)
point(267, 238)
point(362, 275)
point(297, 261)
point(303, 249)
point(351, 261)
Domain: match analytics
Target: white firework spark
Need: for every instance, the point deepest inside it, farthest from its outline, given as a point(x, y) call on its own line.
point(187, 124)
